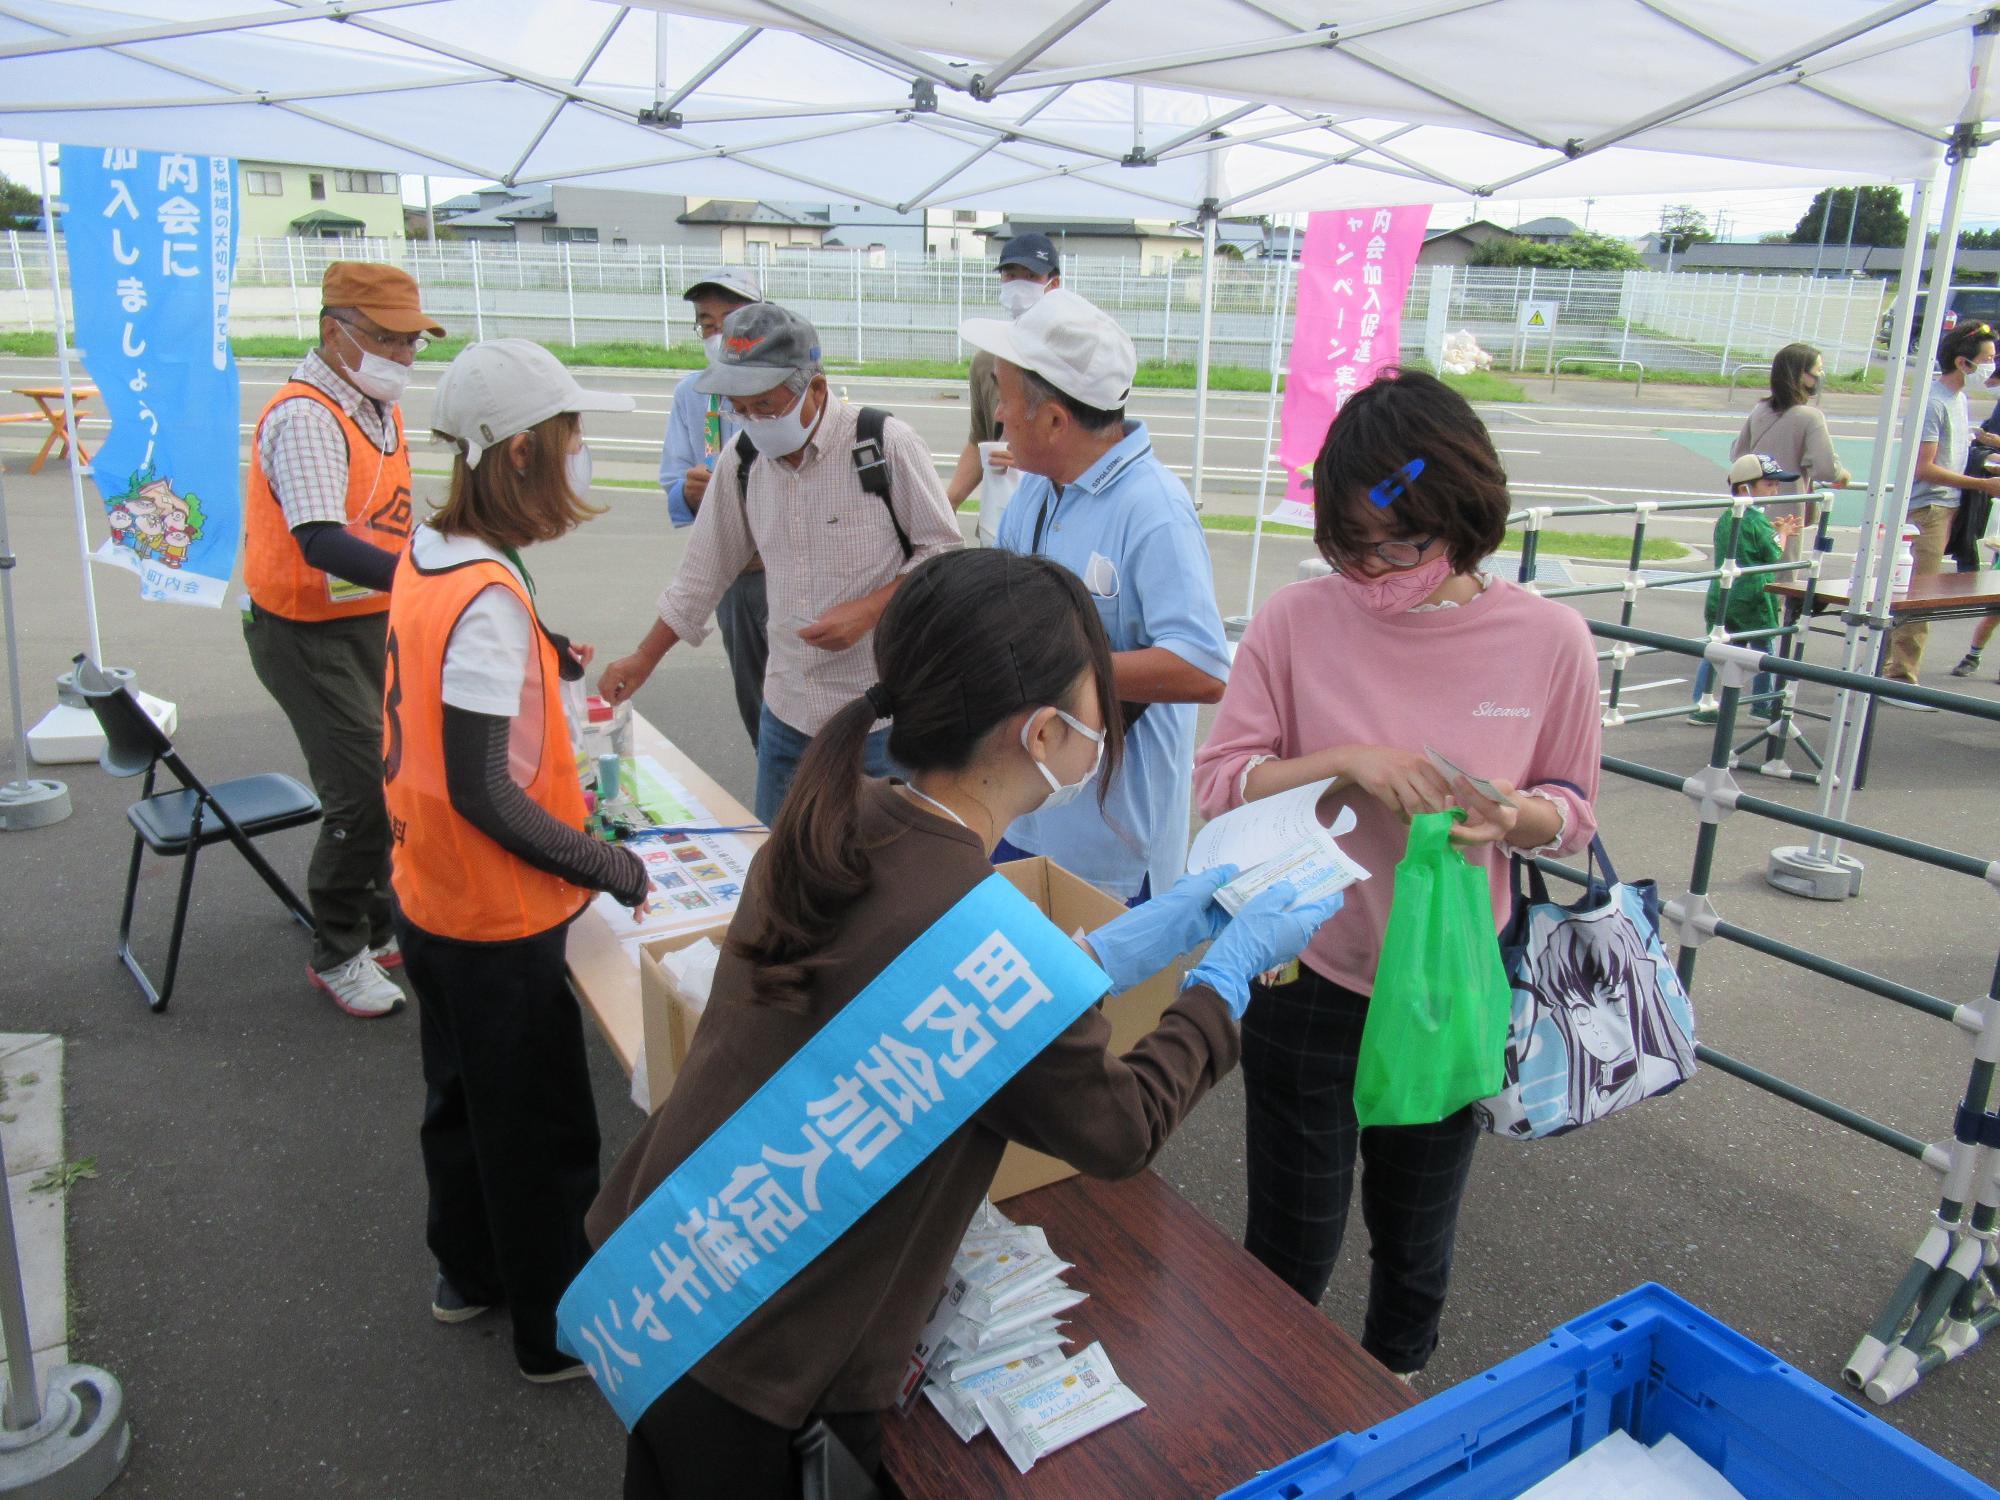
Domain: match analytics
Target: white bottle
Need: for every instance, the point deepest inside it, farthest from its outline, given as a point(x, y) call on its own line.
point(1906, 561)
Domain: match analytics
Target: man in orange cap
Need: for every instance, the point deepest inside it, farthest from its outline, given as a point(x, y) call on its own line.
point(326, 516)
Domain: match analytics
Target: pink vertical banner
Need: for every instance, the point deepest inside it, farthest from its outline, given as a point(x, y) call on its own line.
point(1354, 272)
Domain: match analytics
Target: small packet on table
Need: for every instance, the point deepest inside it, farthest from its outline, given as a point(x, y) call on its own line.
point(1076, 1398)
point(958, 1401)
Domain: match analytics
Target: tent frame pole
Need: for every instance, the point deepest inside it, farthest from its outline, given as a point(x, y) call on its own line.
point(1271, 410)
point(73, 450)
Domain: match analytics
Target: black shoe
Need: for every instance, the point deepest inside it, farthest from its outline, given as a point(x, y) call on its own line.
point(449, 1305)
point(1968, 665)
point(552, 1368)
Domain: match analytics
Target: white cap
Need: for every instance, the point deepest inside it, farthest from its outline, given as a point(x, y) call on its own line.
point(502, 387)
point(727, 280)
point(1073, 344)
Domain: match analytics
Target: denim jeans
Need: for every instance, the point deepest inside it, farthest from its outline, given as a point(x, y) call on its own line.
point(780, 748)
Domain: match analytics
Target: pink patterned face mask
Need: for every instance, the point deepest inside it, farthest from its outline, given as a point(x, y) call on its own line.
point(1397, 592)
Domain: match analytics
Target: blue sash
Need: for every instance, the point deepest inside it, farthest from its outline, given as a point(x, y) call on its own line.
point(904, 1065)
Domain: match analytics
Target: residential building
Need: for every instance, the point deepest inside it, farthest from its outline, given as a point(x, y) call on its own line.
point(880, 231)
point(718, 229)
point(952, 232)
point(1548, 231)
point(1883, 262)
point(1151, 244)
point(275, 200)
point(1458, 246)
point(747, 232)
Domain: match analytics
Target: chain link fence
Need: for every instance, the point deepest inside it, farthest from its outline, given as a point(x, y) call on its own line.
point(869, 305)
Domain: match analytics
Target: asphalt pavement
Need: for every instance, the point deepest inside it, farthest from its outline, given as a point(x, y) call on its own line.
point(250, 1260)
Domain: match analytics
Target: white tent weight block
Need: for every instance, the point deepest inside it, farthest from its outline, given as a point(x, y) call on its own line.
point(68, 736)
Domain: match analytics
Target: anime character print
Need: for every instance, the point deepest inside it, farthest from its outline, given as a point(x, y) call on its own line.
point(1600, 1020)
point(152, 520)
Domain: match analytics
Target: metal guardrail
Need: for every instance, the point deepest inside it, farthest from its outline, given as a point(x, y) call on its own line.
point(1950, 1295)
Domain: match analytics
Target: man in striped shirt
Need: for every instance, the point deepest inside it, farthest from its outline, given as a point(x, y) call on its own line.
point(326, 514)
point(833, 553)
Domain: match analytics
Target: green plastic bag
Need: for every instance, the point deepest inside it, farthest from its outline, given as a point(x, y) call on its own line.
point(1436, 1034)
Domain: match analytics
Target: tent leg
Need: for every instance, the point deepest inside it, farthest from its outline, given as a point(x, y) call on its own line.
point(1270, 423)
point(1818, 870)
point(1202, 351)
point(69, 411)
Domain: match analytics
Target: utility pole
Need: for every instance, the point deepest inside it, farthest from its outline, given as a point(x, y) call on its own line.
point(1588, 204)
point(1853, 207)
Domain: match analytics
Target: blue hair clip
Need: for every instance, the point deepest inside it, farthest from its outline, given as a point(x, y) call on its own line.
point(1392, 489)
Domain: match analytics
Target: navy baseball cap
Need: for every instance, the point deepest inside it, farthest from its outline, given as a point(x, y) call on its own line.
point(1032, 252)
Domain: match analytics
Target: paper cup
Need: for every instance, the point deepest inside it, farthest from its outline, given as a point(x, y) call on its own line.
point(996, 489)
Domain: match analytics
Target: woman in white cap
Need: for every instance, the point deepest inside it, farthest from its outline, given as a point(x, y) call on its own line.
point(490, 860)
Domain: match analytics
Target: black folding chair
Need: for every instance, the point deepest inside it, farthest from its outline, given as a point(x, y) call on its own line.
point(180, 824)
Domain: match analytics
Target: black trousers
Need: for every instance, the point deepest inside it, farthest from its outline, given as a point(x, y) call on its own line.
point(327, 677)
point(693, 1445)
point(1300, 1045)
point(743, 617)
point(510, 1128)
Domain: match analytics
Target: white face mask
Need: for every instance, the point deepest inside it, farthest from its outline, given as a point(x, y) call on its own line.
point(712, 346)
point(1058, 793)
point(383, 379)
point(1983, 373)
point(1018, 296)
point(781, 436)
point(577, 472)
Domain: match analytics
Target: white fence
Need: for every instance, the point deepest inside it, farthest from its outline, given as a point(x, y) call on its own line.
point(871, 306)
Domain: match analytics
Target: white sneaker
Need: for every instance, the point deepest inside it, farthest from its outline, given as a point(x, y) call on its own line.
point(360, 988)
point(388, 956)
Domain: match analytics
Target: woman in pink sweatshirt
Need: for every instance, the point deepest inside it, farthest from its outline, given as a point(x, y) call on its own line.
point(1351, 676)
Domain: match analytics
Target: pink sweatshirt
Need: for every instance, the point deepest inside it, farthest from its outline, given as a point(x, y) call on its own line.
point(1505, 686)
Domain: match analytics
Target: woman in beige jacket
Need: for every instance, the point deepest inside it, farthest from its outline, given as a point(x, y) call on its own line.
point(1788, 427)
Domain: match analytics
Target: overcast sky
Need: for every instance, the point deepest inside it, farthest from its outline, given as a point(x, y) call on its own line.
point(1745, 215)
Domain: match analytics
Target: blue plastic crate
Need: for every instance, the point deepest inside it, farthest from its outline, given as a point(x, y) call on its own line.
point(1651, 1363)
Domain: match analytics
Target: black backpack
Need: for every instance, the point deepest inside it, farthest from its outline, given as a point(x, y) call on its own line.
point(869, 465)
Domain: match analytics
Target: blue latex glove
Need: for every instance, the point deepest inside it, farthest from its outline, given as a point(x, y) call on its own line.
point(1146, 939)
point(1264, 936)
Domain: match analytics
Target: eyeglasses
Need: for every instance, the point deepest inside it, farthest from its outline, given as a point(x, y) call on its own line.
point(415, 343)
point(1398, 553)
point(736, 404)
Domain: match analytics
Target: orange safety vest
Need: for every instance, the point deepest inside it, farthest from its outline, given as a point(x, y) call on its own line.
point(280, 579)
point(452, 880)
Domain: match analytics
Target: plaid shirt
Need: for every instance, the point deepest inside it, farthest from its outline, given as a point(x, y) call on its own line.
point(824, 541)
point(304, 451)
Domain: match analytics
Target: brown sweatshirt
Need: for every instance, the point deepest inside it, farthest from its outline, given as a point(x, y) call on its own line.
point(837, 1337)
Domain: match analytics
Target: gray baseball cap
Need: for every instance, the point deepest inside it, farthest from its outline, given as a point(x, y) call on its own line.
point(763, 345)
point(733, 283)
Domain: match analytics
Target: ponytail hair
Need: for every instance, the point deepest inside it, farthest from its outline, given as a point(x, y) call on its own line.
point(970, 639)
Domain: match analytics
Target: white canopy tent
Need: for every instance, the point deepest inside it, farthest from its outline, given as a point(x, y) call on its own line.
point(1048, 106)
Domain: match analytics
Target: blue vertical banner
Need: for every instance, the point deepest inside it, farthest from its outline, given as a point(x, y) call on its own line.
point(152, 247)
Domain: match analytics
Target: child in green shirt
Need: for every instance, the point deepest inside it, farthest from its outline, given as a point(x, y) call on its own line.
point(1751, 605)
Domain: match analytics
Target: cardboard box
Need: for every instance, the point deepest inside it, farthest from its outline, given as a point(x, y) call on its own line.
point(1075, 905)
point(668, 1017)
point(1072, 904)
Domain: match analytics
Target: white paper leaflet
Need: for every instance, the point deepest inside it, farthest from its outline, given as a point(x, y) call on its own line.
point(1621, 1466)
point(1278, 838)
point(1316, 868)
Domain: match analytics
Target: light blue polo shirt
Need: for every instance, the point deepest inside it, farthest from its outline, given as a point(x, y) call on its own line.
point(1154, 587)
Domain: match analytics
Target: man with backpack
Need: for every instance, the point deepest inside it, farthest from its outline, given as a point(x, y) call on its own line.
point(840, 501)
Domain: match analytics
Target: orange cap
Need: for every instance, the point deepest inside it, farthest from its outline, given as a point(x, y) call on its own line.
point(386, 295)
